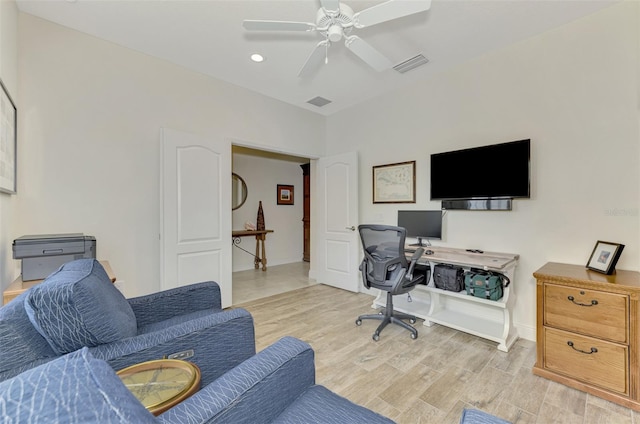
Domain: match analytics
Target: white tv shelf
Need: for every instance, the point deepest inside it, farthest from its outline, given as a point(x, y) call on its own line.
point(489, 319)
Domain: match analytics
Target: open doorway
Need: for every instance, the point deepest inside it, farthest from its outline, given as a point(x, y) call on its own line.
point(277, 183)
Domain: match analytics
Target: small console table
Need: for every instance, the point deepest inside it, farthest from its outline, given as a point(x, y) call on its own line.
point(489, 319)
point(261, 237)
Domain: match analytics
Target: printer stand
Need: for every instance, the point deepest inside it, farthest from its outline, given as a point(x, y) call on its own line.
point(18, 286)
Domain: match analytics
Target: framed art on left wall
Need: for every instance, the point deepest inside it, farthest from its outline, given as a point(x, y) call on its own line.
point(8, 142)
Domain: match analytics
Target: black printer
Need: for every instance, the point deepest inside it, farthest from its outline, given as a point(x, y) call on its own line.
point(43, 254)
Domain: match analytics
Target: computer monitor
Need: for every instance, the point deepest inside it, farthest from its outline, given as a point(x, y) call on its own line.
point(423, 225)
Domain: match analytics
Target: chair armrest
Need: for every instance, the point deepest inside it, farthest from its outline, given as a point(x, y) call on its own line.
point(168, 303)
point(256, 391)
point(414, 259)
point(219, 341)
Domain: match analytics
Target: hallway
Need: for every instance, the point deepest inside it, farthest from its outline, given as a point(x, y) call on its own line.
point(255, 284)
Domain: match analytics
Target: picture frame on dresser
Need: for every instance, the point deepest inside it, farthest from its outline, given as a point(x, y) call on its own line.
point(604, 257)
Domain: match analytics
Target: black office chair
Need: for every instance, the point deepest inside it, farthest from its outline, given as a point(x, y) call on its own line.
point(385, 267)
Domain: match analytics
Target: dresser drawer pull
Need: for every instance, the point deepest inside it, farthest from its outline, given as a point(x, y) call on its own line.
point(593, 302)
point(593, 349)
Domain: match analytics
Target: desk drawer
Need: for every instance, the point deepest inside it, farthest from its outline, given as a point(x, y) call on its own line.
point(590, 312)
point(592, 361)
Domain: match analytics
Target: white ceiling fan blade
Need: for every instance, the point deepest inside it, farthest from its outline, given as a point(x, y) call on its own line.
point(388, 11)
point(277, 26)
point(364, 51)
point(330, 5)
point(315, 59)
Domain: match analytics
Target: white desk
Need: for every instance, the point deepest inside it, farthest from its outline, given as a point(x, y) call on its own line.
point(489, 319)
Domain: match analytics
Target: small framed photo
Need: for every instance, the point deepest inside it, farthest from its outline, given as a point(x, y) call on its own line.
point(395, 183)
point(604, 257)
point(285, 194)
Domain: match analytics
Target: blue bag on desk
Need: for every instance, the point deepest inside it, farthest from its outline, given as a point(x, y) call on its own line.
point(448, 277)
point(485, 284)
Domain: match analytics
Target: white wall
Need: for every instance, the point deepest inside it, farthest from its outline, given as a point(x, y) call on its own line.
point(9, 76)
point(573, 91)
point(89, 145)
point(262, 175)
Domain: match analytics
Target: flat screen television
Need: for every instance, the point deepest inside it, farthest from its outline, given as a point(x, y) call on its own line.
point(423, 225)
point(487, 172)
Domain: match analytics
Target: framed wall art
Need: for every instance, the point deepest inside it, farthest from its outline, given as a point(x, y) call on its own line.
point(8, 142)
point(285, 194)
point(395, 183)
point(604, 257)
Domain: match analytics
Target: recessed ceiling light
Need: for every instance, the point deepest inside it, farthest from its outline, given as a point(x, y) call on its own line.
point(257, 57)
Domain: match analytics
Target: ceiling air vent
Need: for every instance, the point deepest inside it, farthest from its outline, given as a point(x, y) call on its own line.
point(319, 101)
point(411, 63)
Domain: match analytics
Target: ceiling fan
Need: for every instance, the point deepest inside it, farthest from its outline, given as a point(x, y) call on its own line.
point(335, 20)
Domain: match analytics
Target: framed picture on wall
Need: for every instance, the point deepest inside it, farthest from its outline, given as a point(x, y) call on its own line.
point(8, 142)
point(285, 194)
point(395, 183)
point(604, 257)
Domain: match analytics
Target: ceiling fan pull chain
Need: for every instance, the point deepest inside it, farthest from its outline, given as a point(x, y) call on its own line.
point(326, 53)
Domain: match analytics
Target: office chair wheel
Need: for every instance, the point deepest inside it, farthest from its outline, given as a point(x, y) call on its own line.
point(414, 336)
point(376, 337)
point(358, 322)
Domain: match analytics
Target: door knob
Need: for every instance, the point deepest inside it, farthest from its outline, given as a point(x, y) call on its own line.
point(352, 228)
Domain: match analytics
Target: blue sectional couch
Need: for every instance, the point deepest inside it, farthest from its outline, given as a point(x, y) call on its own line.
point(275, 386)
point(78, 306)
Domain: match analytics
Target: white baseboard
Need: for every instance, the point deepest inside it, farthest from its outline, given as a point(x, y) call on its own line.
point(526, 332)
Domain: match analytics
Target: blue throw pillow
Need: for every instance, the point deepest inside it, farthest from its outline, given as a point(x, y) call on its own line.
point(79, 306)
point(75, 388)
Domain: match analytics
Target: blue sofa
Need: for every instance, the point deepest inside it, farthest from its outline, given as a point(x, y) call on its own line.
point(78, 306)
point(274, 386)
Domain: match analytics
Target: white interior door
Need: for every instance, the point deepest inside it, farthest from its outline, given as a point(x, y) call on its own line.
point(195, 193)
point(337, 240)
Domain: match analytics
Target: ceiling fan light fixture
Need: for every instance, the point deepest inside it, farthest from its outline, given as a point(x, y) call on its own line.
point(257, 58)
point(334, 33)
point(336, 21)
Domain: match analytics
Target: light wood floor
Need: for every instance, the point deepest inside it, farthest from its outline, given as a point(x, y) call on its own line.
point(255, 283)
point(428, 380)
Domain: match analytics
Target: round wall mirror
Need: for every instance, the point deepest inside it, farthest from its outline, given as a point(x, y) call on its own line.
point(238, 191)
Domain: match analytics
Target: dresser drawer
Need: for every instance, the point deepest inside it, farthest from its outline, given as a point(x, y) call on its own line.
point(592, 361)
point(590, 312)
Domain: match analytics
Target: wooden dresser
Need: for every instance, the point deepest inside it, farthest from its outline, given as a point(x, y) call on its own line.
point(587, 331)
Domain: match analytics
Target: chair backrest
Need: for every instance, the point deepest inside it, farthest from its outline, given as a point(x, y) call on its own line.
point(385, 265)
point(383, 247)
point(79, 306)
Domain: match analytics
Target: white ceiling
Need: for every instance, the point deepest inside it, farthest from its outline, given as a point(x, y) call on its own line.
point(207, 36)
